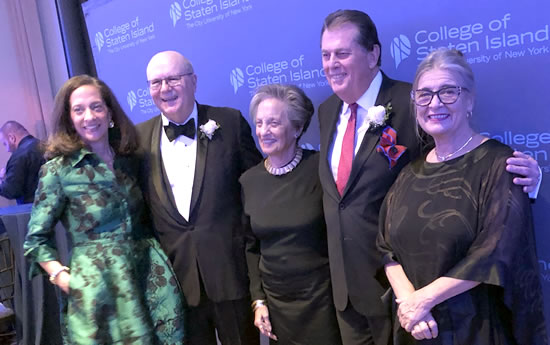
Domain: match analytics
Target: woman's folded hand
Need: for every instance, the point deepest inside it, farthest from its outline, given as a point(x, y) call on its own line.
point(413, 309)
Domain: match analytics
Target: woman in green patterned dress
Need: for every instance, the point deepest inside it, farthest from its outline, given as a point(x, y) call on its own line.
point(119, 287)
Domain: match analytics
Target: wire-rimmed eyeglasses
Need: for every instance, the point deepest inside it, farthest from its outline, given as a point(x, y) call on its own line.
point(174, 80)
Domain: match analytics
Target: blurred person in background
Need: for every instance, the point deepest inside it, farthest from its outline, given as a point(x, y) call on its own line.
point(18, 180)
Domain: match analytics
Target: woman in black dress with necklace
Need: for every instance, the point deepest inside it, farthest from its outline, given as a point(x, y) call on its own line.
point(287, 247)
point(455, 231)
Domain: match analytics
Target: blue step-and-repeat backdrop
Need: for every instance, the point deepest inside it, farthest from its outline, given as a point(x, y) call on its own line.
point(238, 45)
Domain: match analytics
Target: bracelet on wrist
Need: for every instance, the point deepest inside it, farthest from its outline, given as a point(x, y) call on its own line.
point(54, 275)
point(258, 303)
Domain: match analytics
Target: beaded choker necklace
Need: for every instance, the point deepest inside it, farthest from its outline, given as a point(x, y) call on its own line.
point(286, 168)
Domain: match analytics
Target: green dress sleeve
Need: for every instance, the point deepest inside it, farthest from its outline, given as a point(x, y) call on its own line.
point(49, 203)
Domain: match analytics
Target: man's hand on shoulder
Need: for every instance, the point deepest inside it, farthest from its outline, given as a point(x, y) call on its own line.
point(527, 167)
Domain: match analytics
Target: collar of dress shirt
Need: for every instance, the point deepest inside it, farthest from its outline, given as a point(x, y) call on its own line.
point(79, 155)
point(193, 115)
point(368, 99)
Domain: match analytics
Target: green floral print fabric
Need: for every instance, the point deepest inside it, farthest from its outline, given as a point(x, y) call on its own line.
point(122, 287)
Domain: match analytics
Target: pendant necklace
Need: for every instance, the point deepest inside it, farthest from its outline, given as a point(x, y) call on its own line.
point(445, 157)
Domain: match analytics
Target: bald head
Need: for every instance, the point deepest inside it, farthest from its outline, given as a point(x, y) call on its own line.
point(170, 58)
point(175, 100)
point(11, 134)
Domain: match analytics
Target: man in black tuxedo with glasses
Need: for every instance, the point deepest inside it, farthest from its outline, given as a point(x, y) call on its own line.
point(195, 154)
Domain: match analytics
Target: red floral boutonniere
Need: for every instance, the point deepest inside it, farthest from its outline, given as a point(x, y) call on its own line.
point(388, 146)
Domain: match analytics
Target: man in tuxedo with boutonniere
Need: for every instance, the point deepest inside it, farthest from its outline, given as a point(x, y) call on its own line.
point(361, 155)
point(194, 156)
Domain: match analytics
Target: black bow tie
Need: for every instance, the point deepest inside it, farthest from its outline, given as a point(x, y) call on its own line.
point(173, 130)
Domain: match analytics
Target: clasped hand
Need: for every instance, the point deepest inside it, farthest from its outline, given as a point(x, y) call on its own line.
point(415, 317)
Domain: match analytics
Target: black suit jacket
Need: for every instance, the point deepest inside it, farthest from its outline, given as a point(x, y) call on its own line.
point(352, 219)
point(22, 170)
point(210, 245)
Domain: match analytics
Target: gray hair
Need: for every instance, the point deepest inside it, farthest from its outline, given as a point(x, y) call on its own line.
point(299, 107)
point(451, 60)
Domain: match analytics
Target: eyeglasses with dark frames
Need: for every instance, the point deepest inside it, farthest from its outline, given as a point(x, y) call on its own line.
point(446, 95)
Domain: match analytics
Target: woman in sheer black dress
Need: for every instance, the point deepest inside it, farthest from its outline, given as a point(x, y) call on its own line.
point(456, 233)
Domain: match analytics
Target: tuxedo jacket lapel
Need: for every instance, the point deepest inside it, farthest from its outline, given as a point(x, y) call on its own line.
point(160, 179)
point(365, 150)
point(371, 138)
point(200, 163)
point(384, 95)
point(367, 146)
point(157, 165)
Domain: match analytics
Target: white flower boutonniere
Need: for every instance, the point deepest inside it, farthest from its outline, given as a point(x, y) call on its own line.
point(208, 129)
point(378, 115)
